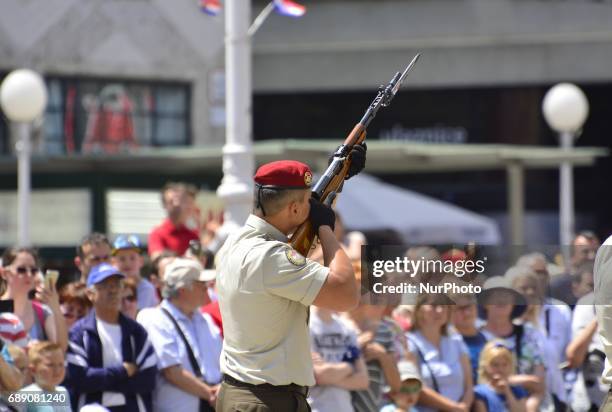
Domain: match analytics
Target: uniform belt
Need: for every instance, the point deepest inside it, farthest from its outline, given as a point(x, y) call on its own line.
point(303, 390)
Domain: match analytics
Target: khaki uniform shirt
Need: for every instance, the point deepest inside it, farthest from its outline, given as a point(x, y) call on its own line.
point(603, 302)
point(264, 288)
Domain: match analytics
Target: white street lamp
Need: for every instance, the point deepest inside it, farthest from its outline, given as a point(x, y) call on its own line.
point(565, 108)
point(23, 97)
point(236, 188)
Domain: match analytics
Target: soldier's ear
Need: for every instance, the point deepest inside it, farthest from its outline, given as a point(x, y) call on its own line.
point(294, 207)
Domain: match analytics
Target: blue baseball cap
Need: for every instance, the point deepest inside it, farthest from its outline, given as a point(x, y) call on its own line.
point(102, 271)
point(126, 242)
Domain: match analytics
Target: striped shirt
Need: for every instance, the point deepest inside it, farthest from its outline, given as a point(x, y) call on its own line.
point(12, 330)
point(370, 400)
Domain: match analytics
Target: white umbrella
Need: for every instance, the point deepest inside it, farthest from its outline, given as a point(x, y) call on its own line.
point(367, 203)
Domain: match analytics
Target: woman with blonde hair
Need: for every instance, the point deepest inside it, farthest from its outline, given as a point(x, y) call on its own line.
point(493, 392)
point(443, 359)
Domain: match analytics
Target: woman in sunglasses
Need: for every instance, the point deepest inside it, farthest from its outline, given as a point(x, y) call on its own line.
point(42, 321)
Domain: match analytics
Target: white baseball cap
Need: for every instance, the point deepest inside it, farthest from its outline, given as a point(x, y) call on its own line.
point(182, 271)
point(208, 275)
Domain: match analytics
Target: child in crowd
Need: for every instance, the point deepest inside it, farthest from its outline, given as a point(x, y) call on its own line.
point(74, 302)
point(337, 362)
point(408, 394)
point(127, 257)
point(47, 366)
point(494, 393)
point(20, 360)
point(464, 317)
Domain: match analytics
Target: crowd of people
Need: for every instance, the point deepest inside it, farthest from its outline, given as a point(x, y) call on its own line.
point(140, 329)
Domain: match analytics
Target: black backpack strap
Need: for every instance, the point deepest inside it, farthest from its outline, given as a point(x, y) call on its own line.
point(519, 330)
point(433, 378)
point(192, 359)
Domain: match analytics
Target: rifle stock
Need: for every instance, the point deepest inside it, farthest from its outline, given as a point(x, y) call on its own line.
point(304, 237)
point(332, 180)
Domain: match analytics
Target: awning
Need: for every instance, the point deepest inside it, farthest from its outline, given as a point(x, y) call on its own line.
point(383, 157)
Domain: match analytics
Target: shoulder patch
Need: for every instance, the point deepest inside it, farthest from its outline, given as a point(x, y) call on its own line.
point(294, 257)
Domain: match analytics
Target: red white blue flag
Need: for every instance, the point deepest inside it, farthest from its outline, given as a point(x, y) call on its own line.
point(289, 8)
point(212, 7)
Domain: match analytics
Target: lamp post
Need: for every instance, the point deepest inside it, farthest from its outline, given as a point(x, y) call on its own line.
point(236, 188)
point(565, 108)
point(23, 98)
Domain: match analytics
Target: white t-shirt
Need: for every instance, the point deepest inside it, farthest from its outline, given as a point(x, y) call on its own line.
point(110, 336)
point(331, 341)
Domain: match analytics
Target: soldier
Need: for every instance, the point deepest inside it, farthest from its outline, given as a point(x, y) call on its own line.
point(265, 288)
point(603, 309)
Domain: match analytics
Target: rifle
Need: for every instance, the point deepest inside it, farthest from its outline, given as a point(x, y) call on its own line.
point(330, 184)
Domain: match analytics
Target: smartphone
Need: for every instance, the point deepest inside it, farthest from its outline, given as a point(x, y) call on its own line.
point(51, 278)
point(6, 306)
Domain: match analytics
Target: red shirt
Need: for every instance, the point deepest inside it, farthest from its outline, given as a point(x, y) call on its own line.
point(167, 236)
point(215, 313)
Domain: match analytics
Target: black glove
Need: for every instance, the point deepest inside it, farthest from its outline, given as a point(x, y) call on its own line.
point(358, 159)
point(321, 215)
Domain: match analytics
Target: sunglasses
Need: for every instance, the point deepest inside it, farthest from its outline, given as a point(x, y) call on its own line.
point(130, 298)
point(410, 389)
point(23, 270)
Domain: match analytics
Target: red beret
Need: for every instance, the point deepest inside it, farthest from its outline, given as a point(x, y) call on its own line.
point(284, 174)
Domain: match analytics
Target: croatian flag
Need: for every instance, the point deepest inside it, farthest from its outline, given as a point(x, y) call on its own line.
point(212, 7)
point(289, 8)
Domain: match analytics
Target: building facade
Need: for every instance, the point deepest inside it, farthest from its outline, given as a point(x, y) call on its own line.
point(128, 74)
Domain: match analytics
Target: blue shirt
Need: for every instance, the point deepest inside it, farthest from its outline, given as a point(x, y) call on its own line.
point(441, 363)
point(205, 340)
point(147, 295)
point(496, 402)
point(474, 344)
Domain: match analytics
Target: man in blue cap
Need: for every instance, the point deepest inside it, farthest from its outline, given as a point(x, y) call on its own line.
point(110, 359)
